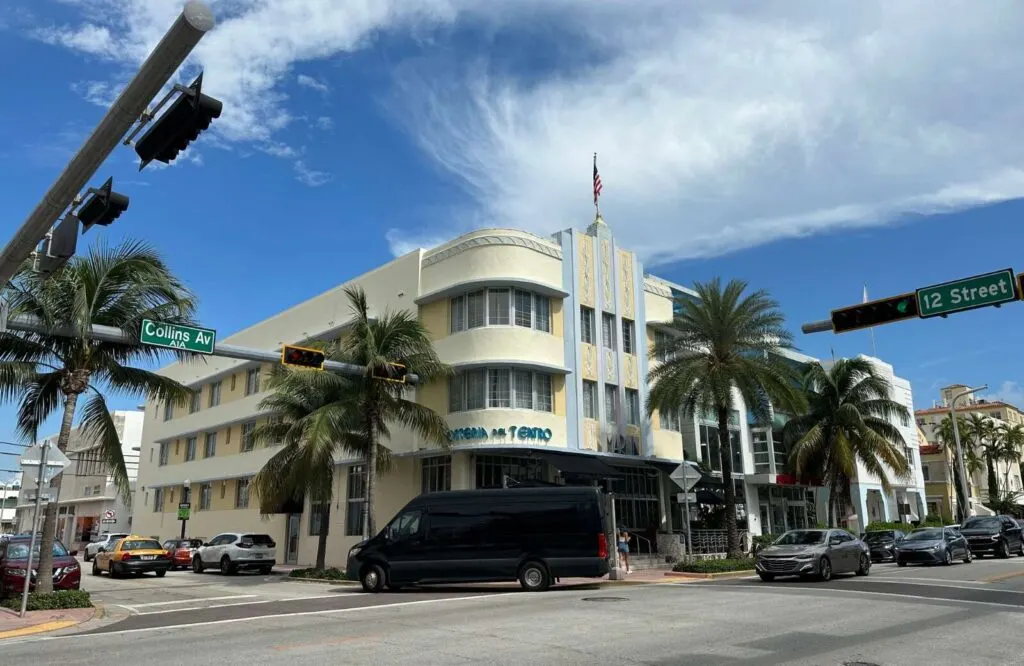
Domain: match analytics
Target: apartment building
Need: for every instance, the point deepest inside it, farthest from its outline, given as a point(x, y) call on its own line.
point(89, 502)
point(549, 338)
point(9, 489)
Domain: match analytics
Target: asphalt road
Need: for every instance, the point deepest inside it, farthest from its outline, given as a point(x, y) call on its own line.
point(964, 614)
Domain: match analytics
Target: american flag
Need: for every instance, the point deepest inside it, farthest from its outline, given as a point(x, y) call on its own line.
point(597, 181)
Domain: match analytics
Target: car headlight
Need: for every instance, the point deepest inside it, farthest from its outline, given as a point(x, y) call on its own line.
point(71, 567)
point(354, 551)
point(937, 546)
point(20, 573)
point(994, 537)
point(804, 557)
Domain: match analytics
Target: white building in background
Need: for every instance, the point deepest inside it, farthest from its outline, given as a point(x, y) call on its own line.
point(9, 489)
point(89, 502)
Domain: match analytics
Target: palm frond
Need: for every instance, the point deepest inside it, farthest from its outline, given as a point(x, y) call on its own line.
point(98, 425)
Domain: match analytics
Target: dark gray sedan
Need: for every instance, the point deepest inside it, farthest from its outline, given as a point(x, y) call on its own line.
point(820, 553)
point(933, 545)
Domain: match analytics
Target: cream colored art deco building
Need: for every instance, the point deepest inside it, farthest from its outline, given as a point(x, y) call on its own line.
point(549, 337)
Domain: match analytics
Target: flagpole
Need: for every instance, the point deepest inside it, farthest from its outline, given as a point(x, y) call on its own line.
point(597, 191)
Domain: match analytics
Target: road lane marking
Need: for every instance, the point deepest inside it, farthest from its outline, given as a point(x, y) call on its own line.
point(931, 580)
point(241, 603)
point(899, 595)
point(194, 600)
point(276, 616)
point(989, 588)
point(332, 641)
point(1005, 576)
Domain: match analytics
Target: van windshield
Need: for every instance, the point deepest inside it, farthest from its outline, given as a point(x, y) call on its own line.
point(403, 526)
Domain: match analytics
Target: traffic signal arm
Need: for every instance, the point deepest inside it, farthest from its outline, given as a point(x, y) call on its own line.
point(875, 313)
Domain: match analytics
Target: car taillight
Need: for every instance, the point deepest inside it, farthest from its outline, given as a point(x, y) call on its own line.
point(602, 545)
point(271, 545)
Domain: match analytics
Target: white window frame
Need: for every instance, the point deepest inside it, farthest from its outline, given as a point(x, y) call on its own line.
point(587, 323)
point(590, 403)
point(500, 307)
point(611, 403)
point(632, 406)
point(247, 441)
point(191, 447)
point(499, 390)
point(628, 336)
point(165, 453)
point(210, 445)
point(214, 399)
point(608, 330)
point(205, 496)
point(158, 500)
point(252, 381)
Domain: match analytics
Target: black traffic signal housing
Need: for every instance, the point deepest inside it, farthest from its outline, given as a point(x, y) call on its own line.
point(1020, 286)
point(391, 372)
point(102, 207)
point(874, 313)
point(303, 357)
point(189, 115)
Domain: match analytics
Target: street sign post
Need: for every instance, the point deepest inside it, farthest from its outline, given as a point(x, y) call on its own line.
point(979, 291)
point(176, 336)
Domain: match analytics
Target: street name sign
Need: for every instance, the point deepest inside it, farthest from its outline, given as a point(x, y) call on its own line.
point(176, 336)
point(979, 291)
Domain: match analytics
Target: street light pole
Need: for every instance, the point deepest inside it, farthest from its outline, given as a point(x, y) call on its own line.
point(964, 487)
point(187, 485)
point(195, 20)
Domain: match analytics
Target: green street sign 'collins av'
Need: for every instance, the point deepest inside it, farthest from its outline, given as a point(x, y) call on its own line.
point(176, 336)
point(979, 291)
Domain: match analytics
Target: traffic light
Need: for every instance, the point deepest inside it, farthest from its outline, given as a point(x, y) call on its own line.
point(303, 357)
point(391, 372)
point(102, 207)
point(1020, 286)
point(873, 313)
point(189, 115)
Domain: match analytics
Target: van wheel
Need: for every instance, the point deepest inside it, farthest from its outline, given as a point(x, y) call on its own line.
point(372, 578)
point(534, 577)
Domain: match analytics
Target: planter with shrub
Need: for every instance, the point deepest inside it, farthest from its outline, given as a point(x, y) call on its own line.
point(714, 566)
point(332, 574)
point(59, 600)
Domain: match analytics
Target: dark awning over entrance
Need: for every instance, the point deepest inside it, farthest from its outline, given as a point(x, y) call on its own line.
point(580, 465)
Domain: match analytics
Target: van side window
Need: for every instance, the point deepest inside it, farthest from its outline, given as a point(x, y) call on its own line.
point(405, 525)
point(468, 524)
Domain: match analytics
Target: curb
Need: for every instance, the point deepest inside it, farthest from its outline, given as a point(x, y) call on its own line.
point(710, 576)
point(52, 625)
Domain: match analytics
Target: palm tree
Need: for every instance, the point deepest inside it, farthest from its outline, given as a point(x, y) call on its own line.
point(721, 341)
point(50, 371)
point(315, 419)
point(944, 434)
point(849, 420)
point(375, 342)
point(1010, 443)
point(984, 433)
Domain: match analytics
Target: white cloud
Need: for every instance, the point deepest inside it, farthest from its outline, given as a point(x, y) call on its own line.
point(310, 177)
point(402, 242)
point(720, 124)
point(277, 149)
point(324, 123)
point(100, 93)
point(1009, 392)
point(310, 82)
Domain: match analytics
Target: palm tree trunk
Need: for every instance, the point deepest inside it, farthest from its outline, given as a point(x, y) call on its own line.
point(732, 534)
point(369, 524)
point(44, 577)
point(993, 478)
point(321, 544)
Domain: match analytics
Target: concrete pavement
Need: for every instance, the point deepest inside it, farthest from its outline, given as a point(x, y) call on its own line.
point(735, 622)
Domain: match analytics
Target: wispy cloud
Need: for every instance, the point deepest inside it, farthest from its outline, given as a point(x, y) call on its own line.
point(1010, 392)
point(310, 177)
point(309, 82)
point(277, 149)
point(100, 93)
point(324, 123)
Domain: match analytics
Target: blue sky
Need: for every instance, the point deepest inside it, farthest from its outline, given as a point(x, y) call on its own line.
point(807, 149)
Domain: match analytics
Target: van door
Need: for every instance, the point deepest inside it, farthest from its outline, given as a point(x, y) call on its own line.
point(460, 543)
point(403, 547)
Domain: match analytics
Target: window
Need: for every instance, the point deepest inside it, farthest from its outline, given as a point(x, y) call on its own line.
point(608, 330)
point(210, 445)
point(214, 394)
point(168, 410)
point(909, 452)
point(500, 388)
point(356, 502)
point(611, 403)
point(319, 517)
point(252, 381)
point(670, 420)
point(158, 500)
point(234, 378)
point(164, 453)
point(501, 471)
point(586, 325)
point(710, 450)
point(632, 407)
point(186, 494)
point(589, 400)
point(925, 473)
point(248, 443)
point(190, 449)
point(660, 343)
point(904, 419)
point(242, 494)
point(437, 474)
point(628, 336)
point(196, 399)
point(500, 307)
point(205, 492)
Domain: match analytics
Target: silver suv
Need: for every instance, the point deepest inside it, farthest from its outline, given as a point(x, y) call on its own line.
point(103, 543)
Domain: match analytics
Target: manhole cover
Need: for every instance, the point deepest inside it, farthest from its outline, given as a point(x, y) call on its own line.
point(604, 598)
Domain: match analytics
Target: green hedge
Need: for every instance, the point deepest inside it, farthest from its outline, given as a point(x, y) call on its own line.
point(929, 521)
point(54, 601)
point(715, 566)
point(312, 573)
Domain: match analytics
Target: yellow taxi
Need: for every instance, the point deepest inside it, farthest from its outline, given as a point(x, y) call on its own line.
point(133, 555)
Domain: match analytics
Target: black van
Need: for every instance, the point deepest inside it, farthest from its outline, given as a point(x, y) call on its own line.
point(533, 535)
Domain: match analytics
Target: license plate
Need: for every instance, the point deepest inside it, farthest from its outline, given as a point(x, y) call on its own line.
point(257, 556)
point(149, 557)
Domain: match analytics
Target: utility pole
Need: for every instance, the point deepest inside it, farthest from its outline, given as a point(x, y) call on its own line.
point(195, 20)
point(964, 510)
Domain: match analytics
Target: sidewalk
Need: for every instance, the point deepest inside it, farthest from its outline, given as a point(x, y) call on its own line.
point(37, 622)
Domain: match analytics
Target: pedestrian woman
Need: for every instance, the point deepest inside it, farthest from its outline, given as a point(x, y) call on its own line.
point(624, 539)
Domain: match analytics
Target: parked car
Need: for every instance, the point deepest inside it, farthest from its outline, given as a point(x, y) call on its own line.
point(533, 535)
point(132, 555)
point(232, 551)
point(820, 553)
point(993, 535)
point(103, 542)
point(67, 575)
point(933, 545)
point(181, 551)
point(882, 544)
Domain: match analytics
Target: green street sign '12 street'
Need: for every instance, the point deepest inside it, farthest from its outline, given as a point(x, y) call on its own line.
point(176, 336)
point(966, 294)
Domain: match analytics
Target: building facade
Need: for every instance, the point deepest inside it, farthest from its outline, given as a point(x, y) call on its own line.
point(89, 502)
point(549, 338)
point(9, 490)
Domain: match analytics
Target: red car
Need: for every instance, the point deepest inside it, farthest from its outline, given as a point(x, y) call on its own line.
point(67, 574)
point(180, 551)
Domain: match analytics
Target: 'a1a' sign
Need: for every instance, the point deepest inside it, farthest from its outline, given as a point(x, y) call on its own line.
point(177, 336)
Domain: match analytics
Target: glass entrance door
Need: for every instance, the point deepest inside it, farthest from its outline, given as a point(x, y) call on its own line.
point(291, 553)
